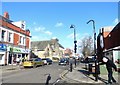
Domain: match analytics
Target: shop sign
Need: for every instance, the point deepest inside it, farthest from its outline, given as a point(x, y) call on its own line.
point(25, 50)
point(3, 47)
point(14, 49)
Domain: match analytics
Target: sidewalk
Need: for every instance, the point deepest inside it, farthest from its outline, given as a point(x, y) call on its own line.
point(81, 75)
point(9, 68)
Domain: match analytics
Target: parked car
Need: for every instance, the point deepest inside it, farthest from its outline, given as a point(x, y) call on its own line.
point(88, 60)
point(33, 62)
point(47, 61)
point(64, 61)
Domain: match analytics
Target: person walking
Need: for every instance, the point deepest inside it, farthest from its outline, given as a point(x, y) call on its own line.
point(75, 62)
point(18, 60)
point(71, 63)
point(109, 65)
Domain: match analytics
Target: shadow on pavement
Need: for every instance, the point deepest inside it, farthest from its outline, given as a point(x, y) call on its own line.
point(103, 80)
point(87, 74)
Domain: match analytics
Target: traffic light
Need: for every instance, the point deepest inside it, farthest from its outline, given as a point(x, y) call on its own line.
point(75, 48)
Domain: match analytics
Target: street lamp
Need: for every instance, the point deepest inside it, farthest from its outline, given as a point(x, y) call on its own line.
point(75, 41)
point(96, 75)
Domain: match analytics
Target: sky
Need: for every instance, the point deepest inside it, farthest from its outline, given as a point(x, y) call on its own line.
point(48, 20)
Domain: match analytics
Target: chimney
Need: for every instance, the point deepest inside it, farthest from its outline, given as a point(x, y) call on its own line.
point(6, 15)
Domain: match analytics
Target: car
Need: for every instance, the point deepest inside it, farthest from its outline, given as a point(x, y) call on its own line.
point(77, 57)
point(33, 62)
point(64, 61)
point(47, 61)
point(88, 60)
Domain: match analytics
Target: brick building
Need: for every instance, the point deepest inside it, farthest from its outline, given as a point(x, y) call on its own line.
point(111, 42)
point(14, 40)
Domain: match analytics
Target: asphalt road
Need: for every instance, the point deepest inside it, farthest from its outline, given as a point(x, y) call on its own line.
point(34, 75)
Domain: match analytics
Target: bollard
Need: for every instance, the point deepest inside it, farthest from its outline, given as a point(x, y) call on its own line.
point(70, 67)
point(48, 79)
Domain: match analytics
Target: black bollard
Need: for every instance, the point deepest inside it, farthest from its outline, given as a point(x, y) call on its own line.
point(70, 67)
point(48, 79)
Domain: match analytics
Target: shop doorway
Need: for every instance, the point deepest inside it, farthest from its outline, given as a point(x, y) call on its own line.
point(10, 59)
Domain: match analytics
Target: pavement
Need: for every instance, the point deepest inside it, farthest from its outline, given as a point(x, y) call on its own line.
point(10, 68)
point(81, 75)
point(78, 75)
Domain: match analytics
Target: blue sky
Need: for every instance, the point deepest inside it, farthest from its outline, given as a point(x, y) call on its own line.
point(47, 20)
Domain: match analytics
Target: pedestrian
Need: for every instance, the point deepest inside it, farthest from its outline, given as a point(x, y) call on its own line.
point(75, 62)
point(109, 65)
point(18, 60)
point(71, 63)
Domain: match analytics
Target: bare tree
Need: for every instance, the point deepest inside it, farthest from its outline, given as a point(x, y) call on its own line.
point(87, 46)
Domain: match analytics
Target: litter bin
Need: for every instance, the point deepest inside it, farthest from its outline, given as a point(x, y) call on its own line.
point(90, 68)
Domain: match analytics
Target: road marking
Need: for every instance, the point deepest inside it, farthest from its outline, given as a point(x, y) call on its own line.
point(57, 80)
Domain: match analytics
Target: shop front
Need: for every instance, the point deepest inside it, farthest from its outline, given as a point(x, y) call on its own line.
point(3, 54)
point(15, 52)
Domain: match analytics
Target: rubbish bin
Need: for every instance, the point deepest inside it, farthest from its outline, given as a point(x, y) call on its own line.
point(90, 68)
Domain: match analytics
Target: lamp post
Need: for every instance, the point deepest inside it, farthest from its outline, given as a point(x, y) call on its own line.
point(96, 63)
point(75, 41)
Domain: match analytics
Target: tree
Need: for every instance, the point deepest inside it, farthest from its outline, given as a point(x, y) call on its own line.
point(87, 46)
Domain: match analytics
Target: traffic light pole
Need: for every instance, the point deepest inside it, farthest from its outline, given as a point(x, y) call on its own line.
point(75, 45)
point(96, 62)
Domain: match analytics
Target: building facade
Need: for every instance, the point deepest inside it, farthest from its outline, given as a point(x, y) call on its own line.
point(48, 49)
point(110, 42)
point(14, 40)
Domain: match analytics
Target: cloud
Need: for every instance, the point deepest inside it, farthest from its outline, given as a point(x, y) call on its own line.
point(34, 23)
point(43, 30)
point(48, 32)
point(40, 29)
point(34, 38)
point(59, 24)
point(116, 21)
point(39, 38)
point(72, 35)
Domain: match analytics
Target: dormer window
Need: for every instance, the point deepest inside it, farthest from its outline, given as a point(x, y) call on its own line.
point(22, 26)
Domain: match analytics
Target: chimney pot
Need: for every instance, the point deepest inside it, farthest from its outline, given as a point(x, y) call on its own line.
point(6, 15)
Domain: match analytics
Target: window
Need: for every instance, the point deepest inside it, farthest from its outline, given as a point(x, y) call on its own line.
point(10, 37)
point(23, 40)
point(22, 26)
point(20, 39)
point(3, 35)
point(53, 47)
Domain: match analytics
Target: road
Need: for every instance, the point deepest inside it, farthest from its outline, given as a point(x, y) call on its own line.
point(34, 75)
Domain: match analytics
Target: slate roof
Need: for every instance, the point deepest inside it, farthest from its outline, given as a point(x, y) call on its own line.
point(41, 45)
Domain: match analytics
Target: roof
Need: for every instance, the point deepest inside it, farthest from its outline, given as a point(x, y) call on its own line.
point(5, 19)
point(41, 45)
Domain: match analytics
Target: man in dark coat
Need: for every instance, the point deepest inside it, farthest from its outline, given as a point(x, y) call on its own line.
point(109, 65)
